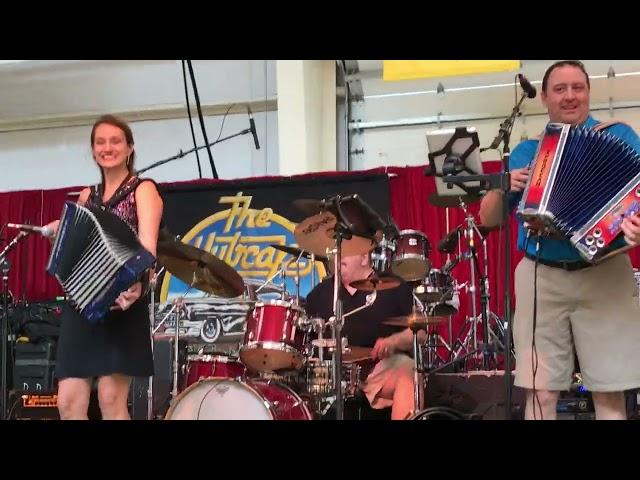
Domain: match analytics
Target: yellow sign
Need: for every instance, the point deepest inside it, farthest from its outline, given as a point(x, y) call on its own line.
point(412, 69)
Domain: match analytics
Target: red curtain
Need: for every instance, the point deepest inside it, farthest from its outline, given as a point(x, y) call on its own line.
point(28, 259)
point(409, 190)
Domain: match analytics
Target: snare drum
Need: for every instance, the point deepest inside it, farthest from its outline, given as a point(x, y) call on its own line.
point(411, 257)
point(199, 367)
point(274, 339)
point(234, 399)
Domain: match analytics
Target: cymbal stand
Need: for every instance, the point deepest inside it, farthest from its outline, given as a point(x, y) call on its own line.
point(434, 339)
point(178, 304)
point(417, 372)
point(152, 308)
point(337, 323)
point(283, 272)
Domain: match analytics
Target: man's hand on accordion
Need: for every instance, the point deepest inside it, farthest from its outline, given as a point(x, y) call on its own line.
point(519, 177)
point(631, 229)
point(128, 297)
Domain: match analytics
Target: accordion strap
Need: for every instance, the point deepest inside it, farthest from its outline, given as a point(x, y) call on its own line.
point(128, 185)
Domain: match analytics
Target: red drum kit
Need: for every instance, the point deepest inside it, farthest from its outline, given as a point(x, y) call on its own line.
point(280, 371)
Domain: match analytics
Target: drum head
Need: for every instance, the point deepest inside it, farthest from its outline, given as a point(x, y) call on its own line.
point(219, 399)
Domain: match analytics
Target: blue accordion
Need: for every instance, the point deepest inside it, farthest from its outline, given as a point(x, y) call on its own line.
point(95, 257)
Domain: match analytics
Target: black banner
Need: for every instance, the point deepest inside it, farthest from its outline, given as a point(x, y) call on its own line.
point(237, 221)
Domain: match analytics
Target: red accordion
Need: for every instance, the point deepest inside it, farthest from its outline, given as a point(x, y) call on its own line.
point(583, 184)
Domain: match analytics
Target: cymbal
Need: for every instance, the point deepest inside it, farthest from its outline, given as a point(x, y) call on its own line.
point(417, 320)
point(453, 201)
point(316, 234)
point(295, 251)
point(200, 269)
point(376, 283)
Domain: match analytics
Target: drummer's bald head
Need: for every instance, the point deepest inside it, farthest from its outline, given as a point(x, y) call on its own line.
point(355, 267)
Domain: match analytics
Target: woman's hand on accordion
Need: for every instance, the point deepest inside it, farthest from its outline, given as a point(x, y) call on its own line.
point(519, 177)
point(631, 229)
point(128, 297)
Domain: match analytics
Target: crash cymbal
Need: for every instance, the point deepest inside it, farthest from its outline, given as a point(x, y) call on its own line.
point(200, 269)
point(295, 251)
point(414, 320)
point(453, 201)
point(316, 234)
point(376, 283)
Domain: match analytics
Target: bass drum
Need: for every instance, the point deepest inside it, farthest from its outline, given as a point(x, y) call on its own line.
point(441, 413)
point(218, 398)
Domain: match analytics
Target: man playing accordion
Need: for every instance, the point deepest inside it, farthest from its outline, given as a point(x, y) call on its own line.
point(562, 301)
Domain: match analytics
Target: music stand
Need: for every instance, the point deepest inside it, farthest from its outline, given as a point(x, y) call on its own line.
point(454, 171)
point(455, 152)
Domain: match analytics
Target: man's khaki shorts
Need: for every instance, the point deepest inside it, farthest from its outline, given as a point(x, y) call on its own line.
point(595, 309)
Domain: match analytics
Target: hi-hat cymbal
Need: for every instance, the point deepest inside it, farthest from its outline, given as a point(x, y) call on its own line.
point(295, 251)
point(453, 201)
point(316, 234)
point(200, 269)
point(414, 320)
point(376, 283)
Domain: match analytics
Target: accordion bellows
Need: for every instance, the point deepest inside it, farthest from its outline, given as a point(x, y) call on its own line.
point(95, 257)
point(583, 183)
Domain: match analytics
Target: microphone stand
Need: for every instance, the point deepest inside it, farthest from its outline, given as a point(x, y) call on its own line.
point(4, 328)
point(182, 154)
point(501, 181)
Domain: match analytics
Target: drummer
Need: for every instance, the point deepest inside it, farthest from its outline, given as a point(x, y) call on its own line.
point(391, 381)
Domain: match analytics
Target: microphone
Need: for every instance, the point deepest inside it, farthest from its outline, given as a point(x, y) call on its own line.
point(44, 231)
point(529, 89)
point(253, 128)
point(447, 244)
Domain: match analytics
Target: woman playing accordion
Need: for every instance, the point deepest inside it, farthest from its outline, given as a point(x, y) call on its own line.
point(107, 342)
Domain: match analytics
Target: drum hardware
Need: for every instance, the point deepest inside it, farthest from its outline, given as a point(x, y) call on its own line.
point(152, 308)
point(341, 226)
point(472, 233)
point(500, 182)
point(200, 270)
point(417, 321)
